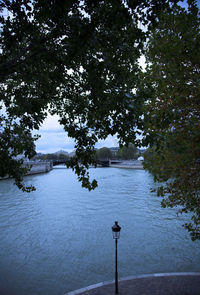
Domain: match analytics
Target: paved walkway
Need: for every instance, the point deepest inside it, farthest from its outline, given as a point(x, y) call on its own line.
point(157, 284)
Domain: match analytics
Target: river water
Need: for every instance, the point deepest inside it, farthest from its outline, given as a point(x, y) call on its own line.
point(59, 237)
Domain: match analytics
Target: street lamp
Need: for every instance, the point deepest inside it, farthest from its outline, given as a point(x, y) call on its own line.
point(116, 235)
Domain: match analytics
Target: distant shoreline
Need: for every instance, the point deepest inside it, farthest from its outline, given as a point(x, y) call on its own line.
point(43, 167)
point(36, 168)
point(128, 164)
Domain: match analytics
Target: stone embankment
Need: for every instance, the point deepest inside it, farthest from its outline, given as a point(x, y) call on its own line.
point(39, 167)
point(36, 167)
point(129, 164)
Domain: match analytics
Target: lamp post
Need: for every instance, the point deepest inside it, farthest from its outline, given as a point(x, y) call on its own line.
point(116, 235)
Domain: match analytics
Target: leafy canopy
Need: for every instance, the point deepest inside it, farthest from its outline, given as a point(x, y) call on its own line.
point(128, 152)
point(76, 59)
point(103, 153)
point(172, 111)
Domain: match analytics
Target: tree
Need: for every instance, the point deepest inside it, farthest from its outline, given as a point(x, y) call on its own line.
point(76, 59)
point(62, 156)
point(172, 111)
point(128, 152)
point(103, 154)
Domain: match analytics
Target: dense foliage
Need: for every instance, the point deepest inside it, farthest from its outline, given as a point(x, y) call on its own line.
point(76, 59)
point(128, 152)
point(103, 154)
point(172, 117)
point(53, 156)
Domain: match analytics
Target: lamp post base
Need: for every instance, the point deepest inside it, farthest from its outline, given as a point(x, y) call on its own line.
point(116, 272)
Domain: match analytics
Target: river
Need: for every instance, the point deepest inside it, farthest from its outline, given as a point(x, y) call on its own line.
point(59, 238)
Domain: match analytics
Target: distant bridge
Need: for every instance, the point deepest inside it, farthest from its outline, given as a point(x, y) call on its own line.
point(107, 163)
point(59, 162)
point(103, 163)
point(100, 162)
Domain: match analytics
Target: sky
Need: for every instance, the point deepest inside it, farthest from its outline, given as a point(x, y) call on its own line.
point(54, 138)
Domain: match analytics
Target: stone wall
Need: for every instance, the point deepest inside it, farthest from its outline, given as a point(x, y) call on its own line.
point(39, 167)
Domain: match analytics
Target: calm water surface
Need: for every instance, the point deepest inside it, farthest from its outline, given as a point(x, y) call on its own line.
point(59, 238)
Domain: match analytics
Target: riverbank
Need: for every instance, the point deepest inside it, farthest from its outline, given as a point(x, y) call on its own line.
point(36, 168)
point(39, 167)
point(128, 164)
